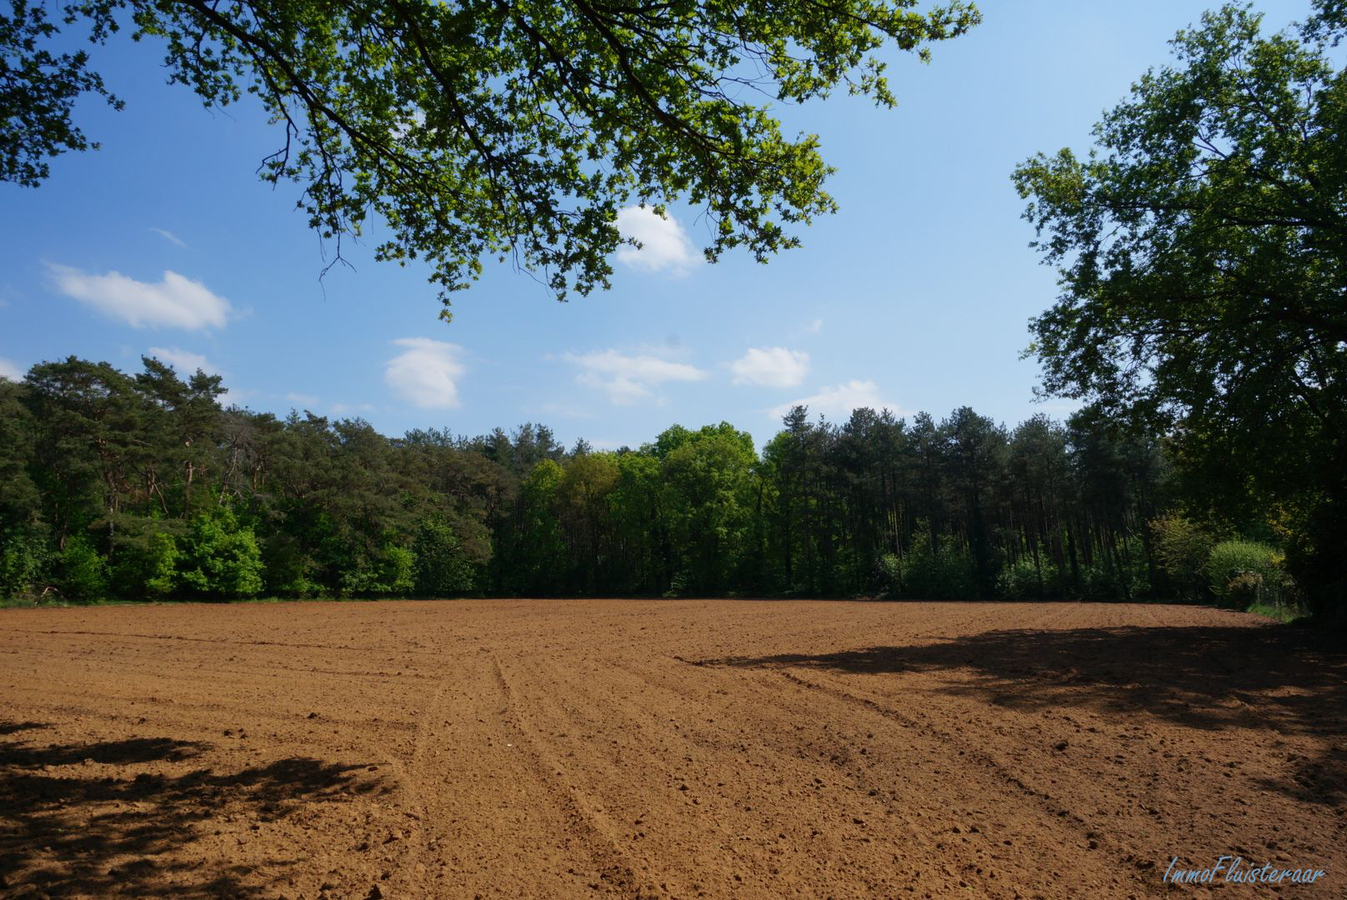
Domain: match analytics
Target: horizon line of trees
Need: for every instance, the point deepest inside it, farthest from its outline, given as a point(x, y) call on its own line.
point(143, 486)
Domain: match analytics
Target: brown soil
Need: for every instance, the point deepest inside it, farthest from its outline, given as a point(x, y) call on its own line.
point(663, 748)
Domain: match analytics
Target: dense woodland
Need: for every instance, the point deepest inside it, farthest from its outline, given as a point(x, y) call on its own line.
point(144, 486)
point(1200, 247)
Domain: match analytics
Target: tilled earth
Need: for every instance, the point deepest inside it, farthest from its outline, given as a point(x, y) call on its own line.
point(689, 748)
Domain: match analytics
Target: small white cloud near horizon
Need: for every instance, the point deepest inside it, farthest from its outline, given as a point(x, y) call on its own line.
point(169, 236)
point(301, 399)
point(176, 301)
point(344, 409)
point(184, 361)
point(837, 403)
point(424, 374)
point(664, 243)
point(9, 369)
point(771, 367)
point(566, 411)
point(627, 379)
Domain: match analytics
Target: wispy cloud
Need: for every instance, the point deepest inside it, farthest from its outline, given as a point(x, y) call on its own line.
point(184, 361)
point(173, 302)
point(9, 369)
point(566, 411)
point(627, 379)
point(302, 400)
point(815, 326)
point(169, 236)
point(837, 402)
point(664, 245)
point(771, 367)
point(346, 409)
point(425, 373)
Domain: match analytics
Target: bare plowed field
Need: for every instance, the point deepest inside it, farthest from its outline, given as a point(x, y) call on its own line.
point(664, 748)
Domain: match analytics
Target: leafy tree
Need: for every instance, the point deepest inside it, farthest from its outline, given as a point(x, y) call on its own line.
point(582, 503)
point(19, 498)
point(1245, 572)
point(144, 487)
point(939, 571)
point(23, 561)
point(1183, 547)
point(147, 562)
point(1039, 493)
point(790, 465)
point(85, 459)
point(398, 569)
point(81, 573)
point(975, 460)
point(641, 529)
point(220, 558)
point(536, 560)
point(490, 129)
point(190, 413)
point(708, 485)
point(442, 569)
point(1203, 254)
point(23, 553)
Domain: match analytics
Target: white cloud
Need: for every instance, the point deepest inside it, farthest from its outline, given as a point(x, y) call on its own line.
point(566, 411)
point(345, 409)
point(174, 302)
point(837, 402)
point(627, 379)
point(184, 361)
point(301, 399)
point(169, 236)
point(664, 243)
point(424, 374)
point(771, 366)
point(9, 369)
point(815, 326)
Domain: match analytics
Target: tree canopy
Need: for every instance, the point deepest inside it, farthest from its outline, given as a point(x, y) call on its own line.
point(1202, 248)
point(484, 129)
point(144, 486)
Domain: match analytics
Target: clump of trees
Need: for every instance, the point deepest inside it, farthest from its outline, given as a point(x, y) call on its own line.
point(145, 486)
point(1202, 253)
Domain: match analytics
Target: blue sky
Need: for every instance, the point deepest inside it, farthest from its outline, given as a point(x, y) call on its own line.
point(914, 296)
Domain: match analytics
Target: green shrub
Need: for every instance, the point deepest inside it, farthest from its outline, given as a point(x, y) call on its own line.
point(947, 572)
point(146, 566)
point(23, 560)
point(1183, 548)
point(442, 566)
point(390, 571)
point(220, 558)
point(398, 569)
point(81, 572)
point(889, 572)
point(1245, 573)
point(289, 569)
point(1022, 580)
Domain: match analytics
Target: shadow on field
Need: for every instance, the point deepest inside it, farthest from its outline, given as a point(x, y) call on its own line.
point(1286, 680)
point(64, 832)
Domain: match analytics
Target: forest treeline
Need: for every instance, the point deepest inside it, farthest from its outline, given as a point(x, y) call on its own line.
point(145, 486)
